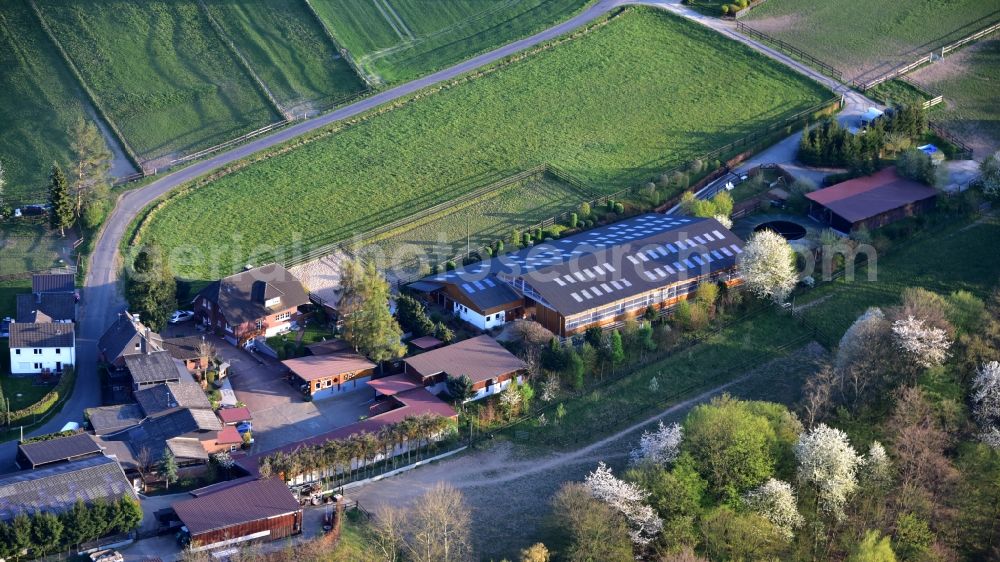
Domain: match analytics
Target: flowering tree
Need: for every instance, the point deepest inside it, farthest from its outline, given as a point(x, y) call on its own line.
point(775, 501)
point(767, 264)
point(724, 220)
point(828, 463)
point(925, 345)
point(659, 447)
point(986, 393)
point(550, 389)
point(628, 499)
point(877, 466)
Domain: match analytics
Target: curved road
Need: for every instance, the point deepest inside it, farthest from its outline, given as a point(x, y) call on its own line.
point(102, 299)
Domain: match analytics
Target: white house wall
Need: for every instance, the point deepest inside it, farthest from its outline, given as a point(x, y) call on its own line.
point(28, 363)
point(478, 320)
point(349, 386)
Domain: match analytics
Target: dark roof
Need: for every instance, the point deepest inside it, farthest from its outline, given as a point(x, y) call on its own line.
point(154, 431)
point(166, 396)
point(424, 286)
point(46, 307)
point(251, 501)
point(862, 198)
point(426, 342)
point(329, 346)
point(56, 488)
point(53, 283)
point(59, 449)
point(154, 367)
point(480, 358)
point(242, 297)
point(184, 348)
point(601, 266)
point(109, 419)
point(234, 415)
point(312, 367)
point(41, 335)
point(117, 339)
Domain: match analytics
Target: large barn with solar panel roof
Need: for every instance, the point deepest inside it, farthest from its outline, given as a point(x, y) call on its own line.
point(595, 278)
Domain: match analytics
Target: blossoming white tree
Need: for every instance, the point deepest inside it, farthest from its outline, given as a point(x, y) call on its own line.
point(658, 447)
point(724, 220)
point(629, 500)
point(877, 466)
point(828, 463)
point(986, 393)
point(767, 264)
point(775, 501)
point(925, 345)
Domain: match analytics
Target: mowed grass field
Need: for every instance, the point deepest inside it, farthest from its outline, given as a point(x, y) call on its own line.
point(287, 48)
point(956, 257)
point(39, 102)
point(398, 40)
point(865, 38)
point(30, 246)
point(614, 107)
point(969, 80)
point(160, 71)
point(480, 221)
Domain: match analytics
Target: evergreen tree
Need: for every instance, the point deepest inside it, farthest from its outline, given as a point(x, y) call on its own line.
point(20, 532)
point(412, 316)
point(62, 204)
point(168, 467)
point(128, 515)
point(151, 289)
point(616, 349)
point(460, 388)
point(78, 527)
point(368, 324)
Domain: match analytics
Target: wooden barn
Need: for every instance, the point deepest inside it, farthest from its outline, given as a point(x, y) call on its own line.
point(870, 202)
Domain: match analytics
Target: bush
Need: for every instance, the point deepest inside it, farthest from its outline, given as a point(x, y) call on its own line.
point(449, 265)
point(573, 220)
point(916, 165)
point(619, 208)
point(584, 210)
point(555, 231)
point(725, 9)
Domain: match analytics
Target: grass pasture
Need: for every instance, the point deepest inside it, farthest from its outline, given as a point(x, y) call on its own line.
point(865, 39)
point(27, 245)
point(969, 81)
point(613, 107)
point(160, 72)
point(288, 50)
point(39, 102)
point(399, 40)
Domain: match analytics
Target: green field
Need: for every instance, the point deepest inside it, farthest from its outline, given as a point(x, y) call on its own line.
point(613, 108)
point(160, 72)
point(28, 245)
point(481, 221)
point(943, 259)
point(969, 81)
point(864, 39)
point(398, 40)
point(39, 102)
point(288, 50)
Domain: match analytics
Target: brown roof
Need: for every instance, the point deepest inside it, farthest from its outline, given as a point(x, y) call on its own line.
point(480, 358)
point(41, 335)
point(387, 386)
point(252, 501)
point(229, 435)
point(59, 449)
point(861, 198)
point(234, 415)
point(243, 297)
point(426, 342)
point(315, 367)
point(329, 346)
point(183, 348)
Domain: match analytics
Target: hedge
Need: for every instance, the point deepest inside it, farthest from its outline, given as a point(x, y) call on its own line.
point(51, 398)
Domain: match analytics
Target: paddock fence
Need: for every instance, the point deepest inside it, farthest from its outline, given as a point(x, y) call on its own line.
point(789, 49)
point(965, 151)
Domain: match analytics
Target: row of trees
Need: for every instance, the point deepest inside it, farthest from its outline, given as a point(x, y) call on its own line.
point(830, 145)
point(84, 196)
point(344, 459)
point(44, 533)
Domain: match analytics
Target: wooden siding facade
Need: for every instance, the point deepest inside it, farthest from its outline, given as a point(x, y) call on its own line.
point(278, 527)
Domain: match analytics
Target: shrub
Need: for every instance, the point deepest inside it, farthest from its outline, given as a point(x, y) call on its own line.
point(584, 210)
point(725, 9)
point(527, 239)
point(573, 220)
point(555, 231)
point(449, 265)
point(499, 247)
point(619, 208)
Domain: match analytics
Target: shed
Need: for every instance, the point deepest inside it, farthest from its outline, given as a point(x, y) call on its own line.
point(323, 376)
point(871, 201)
point(426, 343)
point(56, 448)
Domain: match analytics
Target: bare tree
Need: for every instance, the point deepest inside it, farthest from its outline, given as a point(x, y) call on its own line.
point(387, 534)
point(817, 397)
point(144, 464)
point(207, 352)
point(438, 527)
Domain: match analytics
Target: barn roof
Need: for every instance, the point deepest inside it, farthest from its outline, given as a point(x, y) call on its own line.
point(251, 501)
point(480, 358)
point(869, 196)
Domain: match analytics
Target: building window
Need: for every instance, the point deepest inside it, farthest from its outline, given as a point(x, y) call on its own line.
point(260, 324)
point(38, 351)
point(38, 365)
point(329, 383)
point(137, 346)
point(232, 448)
point(17, 352)
point(283, 316)
point(58, 350)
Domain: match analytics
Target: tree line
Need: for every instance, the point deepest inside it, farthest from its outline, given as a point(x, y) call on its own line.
point(44, 532)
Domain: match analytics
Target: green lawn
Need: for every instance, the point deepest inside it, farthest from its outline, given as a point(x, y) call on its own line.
point(160, 72)
point(39, 102)
point(942, 259)
point(287, 48)
point(30, 246)
point(613, 108)
point(398, 40)
point(8, 297)
point(865, 38)
point(896, 92)
point(969, 81)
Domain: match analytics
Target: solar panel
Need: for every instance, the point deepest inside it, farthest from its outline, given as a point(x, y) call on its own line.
point(719, 234)
point(678, 266)
point(688, 263)
point(579, 276)
point(680, 244)
point(479, 285)
point(560, 282)
point(605, 287)
point(468, 288)
point(716, 254)
point(699, 239)
point(670, 269)
point(598, 269)
point(586, 294)
point(596, 291)
point(726, 251)
point(633, 260)
point(576, 297)
point(642, 257)
point(650, 275)
point(489, 282)
point(568, 279)
point(660, 272)
point(608, 267)
point(672, 248)
point(616, 285)
point(698, 260)
point(626, 282)
point(589, 273)
point(736, 248)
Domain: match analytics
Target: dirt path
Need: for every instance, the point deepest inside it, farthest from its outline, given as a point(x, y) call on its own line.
point(509, 494)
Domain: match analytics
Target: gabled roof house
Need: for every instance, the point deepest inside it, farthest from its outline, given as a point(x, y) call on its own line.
point(41, 347)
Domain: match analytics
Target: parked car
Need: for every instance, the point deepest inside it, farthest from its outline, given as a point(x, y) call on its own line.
point(181, 316)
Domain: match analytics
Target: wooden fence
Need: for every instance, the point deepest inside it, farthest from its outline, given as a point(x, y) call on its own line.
point(928, 58)
point(790, 49)
point(965, 151)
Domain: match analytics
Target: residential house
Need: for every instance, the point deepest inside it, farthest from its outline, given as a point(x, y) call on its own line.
point(53, 283)
point(41, 348)
point(599, 277)
point(46, 307)
point(870, 202)
point(57, 487)
point(127, 336)
point(487, 363)
point(55, 448)
point(262, 301)
point(323, 376)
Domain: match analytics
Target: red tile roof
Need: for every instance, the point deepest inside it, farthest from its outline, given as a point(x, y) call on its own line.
point(480, 358)
point(234, 415)
point(229, 435)
point(252, 501)
point(321, 366)
point(395, 384)
point(861, 198)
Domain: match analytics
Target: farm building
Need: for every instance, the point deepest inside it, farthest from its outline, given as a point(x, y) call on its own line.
point(488, 364)
point(38, 348)
point(871, 201)
point(56, 449)
point(594, 278)
point(262, 301)
point(147, 369)
point(323, 376)
point(262, 510)
point(57, 487)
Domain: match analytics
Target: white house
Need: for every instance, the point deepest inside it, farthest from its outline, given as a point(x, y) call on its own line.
point(41, 347)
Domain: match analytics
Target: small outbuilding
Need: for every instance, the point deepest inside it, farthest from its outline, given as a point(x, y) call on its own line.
point(51, 449)
point(487, 363)
point(323, 376)
point(258, 510)
point(870, 202)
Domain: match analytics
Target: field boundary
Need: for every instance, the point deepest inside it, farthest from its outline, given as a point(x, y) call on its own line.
point(966, 150)
point(371, 81)
point(91, 95)
point(221, 34)
point(790, 49)
point(930, 57)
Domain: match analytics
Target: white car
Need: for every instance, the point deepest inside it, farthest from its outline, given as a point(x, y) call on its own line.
point(181, 316)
